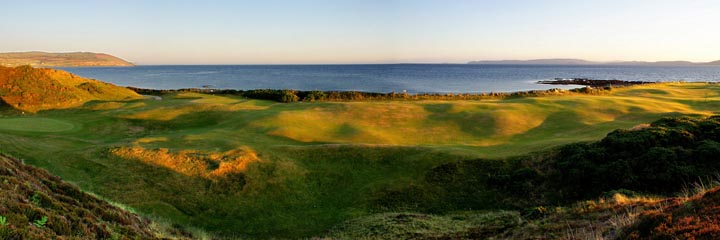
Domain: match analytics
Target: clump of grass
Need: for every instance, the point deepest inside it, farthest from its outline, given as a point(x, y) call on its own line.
point(35, 199)
point(5, 232)
point(41, 222)
point(700, 187)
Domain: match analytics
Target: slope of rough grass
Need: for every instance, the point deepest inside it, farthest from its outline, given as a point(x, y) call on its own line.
point(318, 164)
point(695, 218)
point(35, 89)
point(37, 205)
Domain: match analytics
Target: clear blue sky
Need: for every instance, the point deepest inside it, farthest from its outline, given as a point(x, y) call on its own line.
point(369, 31)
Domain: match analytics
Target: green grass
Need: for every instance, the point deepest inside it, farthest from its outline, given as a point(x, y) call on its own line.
point(420, 226)
point(320, 163)
point(31, 124)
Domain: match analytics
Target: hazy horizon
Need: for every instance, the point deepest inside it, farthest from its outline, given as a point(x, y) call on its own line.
point(365, 32)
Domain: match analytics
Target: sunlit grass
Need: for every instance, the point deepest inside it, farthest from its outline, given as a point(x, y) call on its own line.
point(481, 123)
point(30, 124)
point(321, 161)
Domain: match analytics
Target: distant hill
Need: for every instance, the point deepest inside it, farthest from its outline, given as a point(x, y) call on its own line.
point(558, 61)
point(35, 89)
point(659, 63)
point(570, 61)
point(37, 205)
point(74, 59)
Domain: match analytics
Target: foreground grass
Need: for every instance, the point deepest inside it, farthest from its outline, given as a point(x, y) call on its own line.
point(318, 164)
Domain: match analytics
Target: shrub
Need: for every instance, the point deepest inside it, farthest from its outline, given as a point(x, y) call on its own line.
point(658, 159)
point(288, 96)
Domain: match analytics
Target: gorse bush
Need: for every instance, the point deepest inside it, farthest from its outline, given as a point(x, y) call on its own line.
point(672, 152)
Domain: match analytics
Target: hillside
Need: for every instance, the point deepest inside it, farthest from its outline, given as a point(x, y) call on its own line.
point(73, 59)
point(37, 205)
point(35, 89)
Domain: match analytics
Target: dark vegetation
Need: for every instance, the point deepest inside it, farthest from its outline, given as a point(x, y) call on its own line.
point(287, 96)
point(37, 205)
point(662, 158)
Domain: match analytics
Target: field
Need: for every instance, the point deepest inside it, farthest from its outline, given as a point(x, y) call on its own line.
point(252, 168)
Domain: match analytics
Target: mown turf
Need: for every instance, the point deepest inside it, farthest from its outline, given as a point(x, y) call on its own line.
point(31, 124)
point(318, 164)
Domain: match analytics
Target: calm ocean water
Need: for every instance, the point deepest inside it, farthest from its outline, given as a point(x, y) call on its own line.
point(415, 78)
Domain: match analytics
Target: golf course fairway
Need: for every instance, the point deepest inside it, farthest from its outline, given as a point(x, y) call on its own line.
point(252, 168)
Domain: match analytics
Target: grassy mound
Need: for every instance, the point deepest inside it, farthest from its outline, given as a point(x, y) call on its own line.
point(37, 205)
point(35, 89)
point(192, 163)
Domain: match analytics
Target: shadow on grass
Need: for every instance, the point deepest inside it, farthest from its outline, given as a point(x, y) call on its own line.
point(475, 124)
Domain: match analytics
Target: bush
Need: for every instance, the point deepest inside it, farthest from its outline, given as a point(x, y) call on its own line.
point(288, 96)
point(658, 159)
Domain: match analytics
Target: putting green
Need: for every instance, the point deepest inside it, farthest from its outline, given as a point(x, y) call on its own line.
point(35, 125)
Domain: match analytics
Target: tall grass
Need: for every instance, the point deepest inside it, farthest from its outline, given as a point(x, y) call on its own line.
point(699, 187)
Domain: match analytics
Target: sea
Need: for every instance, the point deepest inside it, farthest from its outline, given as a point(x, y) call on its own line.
point(385, 78)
